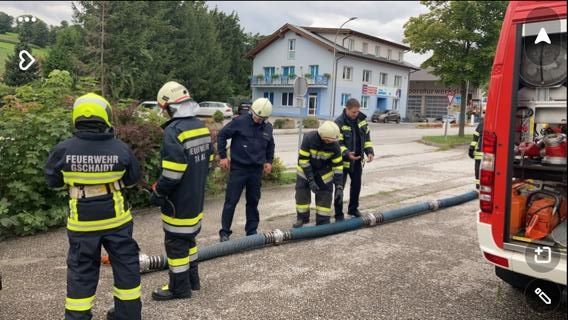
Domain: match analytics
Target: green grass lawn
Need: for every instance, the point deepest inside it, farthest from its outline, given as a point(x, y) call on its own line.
point(449, 141)
point(7, 49)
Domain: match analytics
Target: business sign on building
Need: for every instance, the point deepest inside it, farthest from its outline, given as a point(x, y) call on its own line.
point(432, 92)
point(380, 91)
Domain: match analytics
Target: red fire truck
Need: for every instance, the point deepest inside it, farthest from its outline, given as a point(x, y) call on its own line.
point(522, 222)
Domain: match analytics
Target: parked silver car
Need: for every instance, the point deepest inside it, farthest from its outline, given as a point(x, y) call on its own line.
point(208, 108)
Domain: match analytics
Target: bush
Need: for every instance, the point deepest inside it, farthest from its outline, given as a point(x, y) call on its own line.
point(28, 132)
point(311, 122)
point(218, 116)
point(286, 123)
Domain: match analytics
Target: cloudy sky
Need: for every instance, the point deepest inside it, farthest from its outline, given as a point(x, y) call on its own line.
point(384, 19)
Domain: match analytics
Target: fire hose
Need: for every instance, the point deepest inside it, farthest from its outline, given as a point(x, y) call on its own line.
point(150, 263)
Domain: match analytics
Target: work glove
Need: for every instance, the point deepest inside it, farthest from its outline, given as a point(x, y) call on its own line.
point(313, 185)
point(157, 200)
point(470, 153)
point(338, 198)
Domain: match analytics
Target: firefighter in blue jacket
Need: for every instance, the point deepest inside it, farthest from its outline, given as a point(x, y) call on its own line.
point(319, 169)
point(180, 190)
point(252, 152)
point(355, 142)
point(97, 167)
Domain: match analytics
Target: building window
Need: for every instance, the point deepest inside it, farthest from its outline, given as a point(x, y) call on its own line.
point(367, 76)
point(347, 73)
point(287, 99)
point(270, 96)
point(288, 71)
point(395, 104)
point(364, 102)
point(350, 44)
point(389, 54)
point(291, 49)
point(383, 79)
point(344, 98)
point(268, 72)
point(365, 47)
point(378, 51)
point(398, 81)
point(314, 70)
point(400, 56)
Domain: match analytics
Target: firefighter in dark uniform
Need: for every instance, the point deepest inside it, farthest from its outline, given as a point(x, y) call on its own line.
point(355, 142)
point(475, 152)
point(180, 190)
point(96, 166)
point(252, 152)
point(319, 169)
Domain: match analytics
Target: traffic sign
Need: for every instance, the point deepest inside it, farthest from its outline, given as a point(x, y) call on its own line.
point(300, 87)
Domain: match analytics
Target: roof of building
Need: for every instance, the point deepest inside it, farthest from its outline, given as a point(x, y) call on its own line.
point(358, 34)
point(423, 75)
point(311, 34)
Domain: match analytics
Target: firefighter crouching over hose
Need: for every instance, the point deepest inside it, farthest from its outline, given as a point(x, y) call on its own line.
point(319, 168)
point(180, 191)
point(96, 166)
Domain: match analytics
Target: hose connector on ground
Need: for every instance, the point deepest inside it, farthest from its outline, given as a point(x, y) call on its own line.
point(372, 218)
point(434, 205)
point(276, 236)
point(151, 263)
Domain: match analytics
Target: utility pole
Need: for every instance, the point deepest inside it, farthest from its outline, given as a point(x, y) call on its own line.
point(334, 69)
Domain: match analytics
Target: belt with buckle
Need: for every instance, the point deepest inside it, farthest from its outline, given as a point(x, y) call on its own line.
point(90, 191)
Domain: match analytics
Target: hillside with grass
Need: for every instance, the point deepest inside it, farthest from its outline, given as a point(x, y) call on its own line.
point(7, 43)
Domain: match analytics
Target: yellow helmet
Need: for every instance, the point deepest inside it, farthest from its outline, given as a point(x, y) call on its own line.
point(172, 92)
point(261, 107)
point(92, 107)
point(329, 130)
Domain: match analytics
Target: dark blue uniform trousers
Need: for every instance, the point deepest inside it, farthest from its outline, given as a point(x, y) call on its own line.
point(84, 261)
point(355, 173)
point(241, 177)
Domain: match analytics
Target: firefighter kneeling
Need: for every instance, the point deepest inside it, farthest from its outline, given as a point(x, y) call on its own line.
point(319, 168)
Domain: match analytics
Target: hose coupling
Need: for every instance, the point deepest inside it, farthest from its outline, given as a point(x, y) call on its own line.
point(275, 237)
point(151, 263)
point(371, 219)
point(434, 205)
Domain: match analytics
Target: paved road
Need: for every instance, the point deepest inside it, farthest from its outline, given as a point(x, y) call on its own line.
point(427, 267)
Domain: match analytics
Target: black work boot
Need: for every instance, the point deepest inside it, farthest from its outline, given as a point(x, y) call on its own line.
point(339, 218)
point(224, 238)
point(299, 223)
point(164, 294)
point(355, 213)
point(194, 276)
point(110, 314)
point(321, 220)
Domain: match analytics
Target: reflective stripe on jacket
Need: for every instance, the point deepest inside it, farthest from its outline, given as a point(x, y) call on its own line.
point(185, 155)
point(319, 159)
point(93, 159)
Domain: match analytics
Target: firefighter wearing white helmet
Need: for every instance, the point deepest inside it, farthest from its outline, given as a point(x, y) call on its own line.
point(180, 190)
point(320, 167)
point(96, 166)
point(252, 152)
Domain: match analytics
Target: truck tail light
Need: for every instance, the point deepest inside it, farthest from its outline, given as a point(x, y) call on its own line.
point(487, 172)
point(503, 262)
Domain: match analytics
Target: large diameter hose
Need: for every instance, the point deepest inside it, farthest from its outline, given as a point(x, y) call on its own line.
point(278, 236)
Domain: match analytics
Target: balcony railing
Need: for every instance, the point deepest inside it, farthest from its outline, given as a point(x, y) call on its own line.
point(285, 81)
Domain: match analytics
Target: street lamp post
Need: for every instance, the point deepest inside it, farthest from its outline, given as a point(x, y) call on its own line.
point(334, 68)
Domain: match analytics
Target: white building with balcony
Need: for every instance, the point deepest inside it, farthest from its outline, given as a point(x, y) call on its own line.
point(369, 68)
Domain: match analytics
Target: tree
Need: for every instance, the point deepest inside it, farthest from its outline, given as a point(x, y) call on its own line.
point(66, 52)
point(6, 22)
point(33, 32)
point(462, 36)
point(13, 76)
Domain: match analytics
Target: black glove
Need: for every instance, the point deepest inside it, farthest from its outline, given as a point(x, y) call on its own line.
point(156, 199)
point(470, 153)
point(338, 194)
point(313, 185)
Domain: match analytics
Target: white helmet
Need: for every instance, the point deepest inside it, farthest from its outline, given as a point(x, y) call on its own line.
point(175, 98)
point(262, 108)
point(329, 130)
